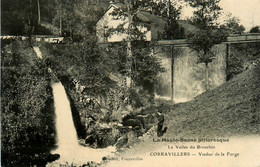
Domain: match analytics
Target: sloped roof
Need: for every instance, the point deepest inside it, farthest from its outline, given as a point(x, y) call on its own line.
point(148, 17)
point(187, 26)
point(156, 22)
point(118, 5)
point(159, 23)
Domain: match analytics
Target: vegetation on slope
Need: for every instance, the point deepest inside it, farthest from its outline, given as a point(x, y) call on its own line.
point(231, 109)
point(242, 55)
point(27, 121)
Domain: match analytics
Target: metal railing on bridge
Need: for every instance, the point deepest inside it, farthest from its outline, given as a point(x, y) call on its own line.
point(243, 38)
point(37, 38)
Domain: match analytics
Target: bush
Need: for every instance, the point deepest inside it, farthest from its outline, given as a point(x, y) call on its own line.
point(240, 56)
point(27, 107)
point(255, 29)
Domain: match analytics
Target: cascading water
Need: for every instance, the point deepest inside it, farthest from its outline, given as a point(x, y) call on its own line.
point(66, 134)
point(67, 141)
point(68, 147)
point(37, 51)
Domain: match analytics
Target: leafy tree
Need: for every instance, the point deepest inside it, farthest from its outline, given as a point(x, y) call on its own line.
point(64, 17)
point(129, 15)
point(232, 25)
point(77, 20)
point(205, 17)
point(87, 13)
point(255, 29)
point(242, 54)
point(140, 66)
point(22, 17)
point(145, 67)
point(173, 30)
point(206, 14)
point(47, 11)
point(81, 61)
point(170, 11)
point(18, 17)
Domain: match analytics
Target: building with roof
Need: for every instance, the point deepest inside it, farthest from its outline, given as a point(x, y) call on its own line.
point(151, 25)
point(183, 78)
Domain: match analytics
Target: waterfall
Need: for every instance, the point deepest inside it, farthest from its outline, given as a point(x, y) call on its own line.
point(66, 133)
point(37, 51)
point(67, 141)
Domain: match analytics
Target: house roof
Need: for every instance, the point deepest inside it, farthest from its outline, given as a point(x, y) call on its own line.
point(156, 22)
point(148, 17)
point(118, 5)
point(143, 15)
point(159, 23)
point(189, 28)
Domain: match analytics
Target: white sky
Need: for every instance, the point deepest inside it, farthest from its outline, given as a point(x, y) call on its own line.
point(248, 11)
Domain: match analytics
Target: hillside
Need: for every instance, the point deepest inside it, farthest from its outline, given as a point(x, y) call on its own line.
point(231, 109)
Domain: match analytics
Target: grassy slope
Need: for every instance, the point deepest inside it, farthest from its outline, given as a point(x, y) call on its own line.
point(231, 109)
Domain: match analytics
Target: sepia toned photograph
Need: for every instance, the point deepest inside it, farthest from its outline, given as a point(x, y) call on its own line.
point(130, 83)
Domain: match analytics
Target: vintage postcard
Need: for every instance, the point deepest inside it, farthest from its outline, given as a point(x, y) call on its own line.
point(136, 83)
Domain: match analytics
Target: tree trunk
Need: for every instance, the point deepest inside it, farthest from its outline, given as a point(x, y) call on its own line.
point(129, 48)
point(129, 64)
point(172, 74)
point(207, 76)
point(60, 12)
point(39, 12)
point(169, 9)
point(70, 32)
point(60, 26)
point(30, 30)
point(227, 57)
